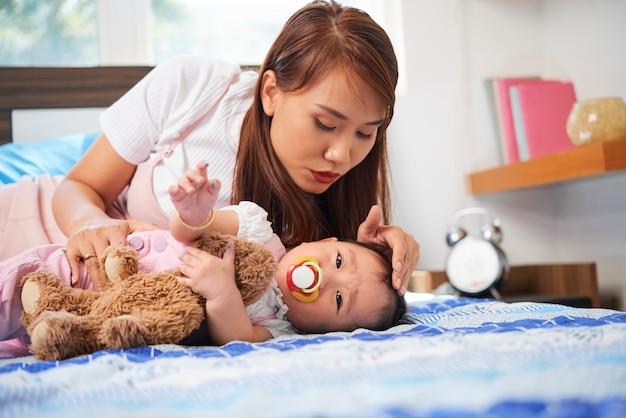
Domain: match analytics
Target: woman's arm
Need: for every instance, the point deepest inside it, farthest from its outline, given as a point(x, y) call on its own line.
point(214, 278)
point(80, 201)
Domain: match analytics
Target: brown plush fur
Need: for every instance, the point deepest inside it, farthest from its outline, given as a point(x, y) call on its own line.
point(137, 308)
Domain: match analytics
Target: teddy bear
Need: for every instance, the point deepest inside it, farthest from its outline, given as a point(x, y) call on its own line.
point(136, 308)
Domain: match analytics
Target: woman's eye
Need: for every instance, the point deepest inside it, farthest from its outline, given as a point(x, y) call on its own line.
point(339, 261)
point(322, 126)
point(339, 299)
point(364, 136)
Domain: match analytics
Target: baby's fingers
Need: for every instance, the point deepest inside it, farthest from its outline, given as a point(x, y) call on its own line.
point(202, 169)
point(176, 193)
point(229, 252)
point(185, 281)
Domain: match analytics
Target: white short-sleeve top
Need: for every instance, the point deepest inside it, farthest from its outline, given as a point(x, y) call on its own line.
point(184, 91)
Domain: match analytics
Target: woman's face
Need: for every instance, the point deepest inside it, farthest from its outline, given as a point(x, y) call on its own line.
point(322, 131)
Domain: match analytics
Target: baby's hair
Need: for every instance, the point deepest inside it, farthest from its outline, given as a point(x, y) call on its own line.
point(393, 311)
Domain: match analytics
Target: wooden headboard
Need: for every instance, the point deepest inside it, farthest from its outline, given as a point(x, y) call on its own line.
point(65, 87)
point(61, 87)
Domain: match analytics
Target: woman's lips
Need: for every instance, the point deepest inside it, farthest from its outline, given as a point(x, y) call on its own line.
point(325, 177)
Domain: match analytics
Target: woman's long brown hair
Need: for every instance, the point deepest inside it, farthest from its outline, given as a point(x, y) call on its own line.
point(320, 37)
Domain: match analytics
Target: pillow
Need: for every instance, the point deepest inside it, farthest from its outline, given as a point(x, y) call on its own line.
point(53, 156)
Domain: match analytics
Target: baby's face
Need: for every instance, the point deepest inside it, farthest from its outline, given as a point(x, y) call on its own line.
point(351, 291)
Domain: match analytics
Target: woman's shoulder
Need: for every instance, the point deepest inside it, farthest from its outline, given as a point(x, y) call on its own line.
point(193, 65)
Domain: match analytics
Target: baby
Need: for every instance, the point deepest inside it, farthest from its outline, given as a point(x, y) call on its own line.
point(321, 286)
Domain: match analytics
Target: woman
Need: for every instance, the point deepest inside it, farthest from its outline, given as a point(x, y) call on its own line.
point(305, 139)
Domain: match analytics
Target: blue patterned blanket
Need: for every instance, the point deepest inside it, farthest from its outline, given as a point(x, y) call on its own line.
point(455, 357)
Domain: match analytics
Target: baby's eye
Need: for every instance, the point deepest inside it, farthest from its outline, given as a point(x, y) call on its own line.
point(339, 261)
point(339, 299)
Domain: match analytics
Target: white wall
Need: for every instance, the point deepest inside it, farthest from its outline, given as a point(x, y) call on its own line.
point(442, 129)
point(32, 125)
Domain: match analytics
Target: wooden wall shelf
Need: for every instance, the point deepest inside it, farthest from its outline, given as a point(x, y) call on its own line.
point(579, 162)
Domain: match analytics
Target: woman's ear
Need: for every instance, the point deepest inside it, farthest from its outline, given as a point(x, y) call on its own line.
point(269, 91)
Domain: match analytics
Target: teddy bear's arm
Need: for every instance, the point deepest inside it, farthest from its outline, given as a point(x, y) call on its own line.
point(45, 291)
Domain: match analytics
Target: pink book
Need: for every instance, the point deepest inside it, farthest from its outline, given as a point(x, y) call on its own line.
point(502, 87)
point(507, 125)
point(544, 108)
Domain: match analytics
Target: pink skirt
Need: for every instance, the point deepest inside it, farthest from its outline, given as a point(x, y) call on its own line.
point(26, 218)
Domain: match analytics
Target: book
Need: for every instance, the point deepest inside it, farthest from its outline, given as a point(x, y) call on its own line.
point(504, 117)
point(540, 111)
point(518, 122)
point(496, 119)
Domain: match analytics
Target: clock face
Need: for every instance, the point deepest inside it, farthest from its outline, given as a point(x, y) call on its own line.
point(473, 265)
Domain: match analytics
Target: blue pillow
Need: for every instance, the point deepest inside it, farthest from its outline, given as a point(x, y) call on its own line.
point(53, 156)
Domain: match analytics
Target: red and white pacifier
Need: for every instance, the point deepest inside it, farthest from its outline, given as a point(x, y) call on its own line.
point(304, 278)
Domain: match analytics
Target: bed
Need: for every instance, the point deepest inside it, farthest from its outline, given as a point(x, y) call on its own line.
point(452, 356)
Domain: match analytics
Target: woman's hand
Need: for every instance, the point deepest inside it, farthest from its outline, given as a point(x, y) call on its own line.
point(406, 251)
point(79, 205)
point(88, 243)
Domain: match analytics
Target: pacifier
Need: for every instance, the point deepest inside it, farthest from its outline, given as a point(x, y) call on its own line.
point(304, 278)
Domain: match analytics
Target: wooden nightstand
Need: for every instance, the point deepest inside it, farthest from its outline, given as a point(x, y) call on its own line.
point(573, 284)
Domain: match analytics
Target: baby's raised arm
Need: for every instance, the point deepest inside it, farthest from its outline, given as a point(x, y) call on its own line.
point(194, 198)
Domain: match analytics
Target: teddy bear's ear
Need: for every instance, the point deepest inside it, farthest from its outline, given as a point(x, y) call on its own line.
point(214, 243)
point(255, 268)
point(118, 262)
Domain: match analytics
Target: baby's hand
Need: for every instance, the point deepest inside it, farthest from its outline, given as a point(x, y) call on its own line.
point(195, 195)
point(210, 276)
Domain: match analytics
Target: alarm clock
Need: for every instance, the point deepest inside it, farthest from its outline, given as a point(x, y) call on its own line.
point(476, 265)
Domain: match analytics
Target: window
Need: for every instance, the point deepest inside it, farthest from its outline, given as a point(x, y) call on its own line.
point(145, 32)
point(239, 31)
point(49, 32)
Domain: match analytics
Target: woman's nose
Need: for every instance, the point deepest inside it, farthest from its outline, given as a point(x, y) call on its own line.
point(339, 151)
